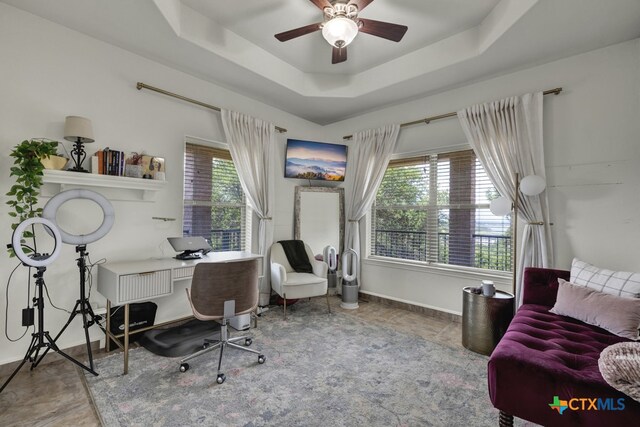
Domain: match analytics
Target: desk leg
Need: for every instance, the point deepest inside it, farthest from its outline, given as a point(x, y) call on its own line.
point(107, 340)
point(126, 339)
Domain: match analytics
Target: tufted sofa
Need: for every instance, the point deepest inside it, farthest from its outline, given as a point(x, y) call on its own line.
point(543, 355)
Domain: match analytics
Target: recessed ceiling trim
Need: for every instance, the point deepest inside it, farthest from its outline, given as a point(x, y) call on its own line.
point(207, 34)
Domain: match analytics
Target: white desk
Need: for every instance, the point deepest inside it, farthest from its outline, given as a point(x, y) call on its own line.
point(134, 281)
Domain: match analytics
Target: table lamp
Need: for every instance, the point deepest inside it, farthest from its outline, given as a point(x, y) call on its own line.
point(79, 131)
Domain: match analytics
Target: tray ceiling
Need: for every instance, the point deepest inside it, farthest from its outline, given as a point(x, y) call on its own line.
point(449, 43)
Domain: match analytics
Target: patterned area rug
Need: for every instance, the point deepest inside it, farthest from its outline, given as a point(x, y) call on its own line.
point(321, 370)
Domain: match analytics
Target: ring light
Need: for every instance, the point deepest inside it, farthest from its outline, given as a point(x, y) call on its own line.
point(51, 209)
point(16, 242)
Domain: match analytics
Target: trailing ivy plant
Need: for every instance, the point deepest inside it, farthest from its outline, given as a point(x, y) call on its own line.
point(28, 172)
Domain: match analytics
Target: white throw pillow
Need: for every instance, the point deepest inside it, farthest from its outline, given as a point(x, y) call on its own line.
point(619, 283)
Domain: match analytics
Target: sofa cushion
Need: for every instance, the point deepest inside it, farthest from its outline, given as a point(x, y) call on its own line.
point(540, 285)
point(618, 315)
point(620, 283)
point(543, 355)
point(304, 285)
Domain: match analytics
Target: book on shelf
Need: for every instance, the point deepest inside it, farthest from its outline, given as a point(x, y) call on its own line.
point(108, 162)
point(116, 163)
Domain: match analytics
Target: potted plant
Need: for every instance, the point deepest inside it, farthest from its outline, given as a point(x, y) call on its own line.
point(27, 168)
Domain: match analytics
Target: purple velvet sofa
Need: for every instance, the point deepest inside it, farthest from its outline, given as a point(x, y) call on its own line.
point(543, 355)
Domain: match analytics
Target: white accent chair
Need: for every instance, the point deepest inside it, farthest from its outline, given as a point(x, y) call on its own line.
point(289, 284)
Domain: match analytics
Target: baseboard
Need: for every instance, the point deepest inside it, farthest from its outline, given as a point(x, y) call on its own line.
point(411, 307)
point(78, 352)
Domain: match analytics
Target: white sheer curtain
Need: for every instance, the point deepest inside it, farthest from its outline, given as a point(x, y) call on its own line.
point(369, 155)
point(252, 146)
point(506, 136)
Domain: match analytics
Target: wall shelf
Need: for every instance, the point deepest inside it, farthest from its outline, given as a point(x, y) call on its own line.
point(56, 181)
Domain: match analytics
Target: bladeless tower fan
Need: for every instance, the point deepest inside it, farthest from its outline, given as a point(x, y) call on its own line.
point(349, 280)
point(330, 256)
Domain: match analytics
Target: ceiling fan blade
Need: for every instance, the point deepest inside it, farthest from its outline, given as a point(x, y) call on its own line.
point(386, 30)
point(338, 55)
point(361, 4)
point(322, 3)
point(297, 32)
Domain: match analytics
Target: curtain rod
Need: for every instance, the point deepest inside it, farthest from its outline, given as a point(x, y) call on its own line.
point(428, 120)
point(141, 86)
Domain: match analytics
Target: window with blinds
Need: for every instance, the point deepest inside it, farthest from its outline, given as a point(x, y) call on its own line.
point(435, 209)
point(214, 203)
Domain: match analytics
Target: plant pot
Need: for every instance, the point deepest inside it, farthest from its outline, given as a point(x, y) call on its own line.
point(54, 162)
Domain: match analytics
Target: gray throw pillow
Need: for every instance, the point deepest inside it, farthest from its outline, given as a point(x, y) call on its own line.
point(618, 315)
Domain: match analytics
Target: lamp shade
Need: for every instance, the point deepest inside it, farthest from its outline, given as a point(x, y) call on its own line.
point(339, 31)
point(500, 206)
point(78, 129)
point(532, 185)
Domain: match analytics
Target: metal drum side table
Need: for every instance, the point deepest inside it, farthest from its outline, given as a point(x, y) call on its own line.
point(485, 319)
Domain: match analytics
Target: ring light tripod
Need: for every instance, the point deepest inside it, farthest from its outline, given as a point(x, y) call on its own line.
point(82, 306)
point(40, 339)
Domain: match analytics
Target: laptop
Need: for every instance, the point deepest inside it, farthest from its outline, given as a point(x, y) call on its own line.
point(193, 247)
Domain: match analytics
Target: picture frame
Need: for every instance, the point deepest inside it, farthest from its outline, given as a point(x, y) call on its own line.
point(315, 160)
point(153, 167)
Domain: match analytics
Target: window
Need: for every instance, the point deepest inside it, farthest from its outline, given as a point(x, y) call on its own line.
point(214, 203)
point(435, 209)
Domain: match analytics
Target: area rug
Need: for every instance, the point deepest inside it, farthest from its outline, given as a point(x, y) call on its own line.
point(321, 370)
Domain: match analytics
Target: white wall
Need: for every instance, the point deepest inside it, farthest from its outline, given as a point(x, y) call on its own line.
point(49, 72)
point(592, 157)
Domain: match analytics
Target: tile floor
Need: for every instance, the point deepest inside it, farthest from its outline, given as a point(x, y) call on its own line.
point(54, 394)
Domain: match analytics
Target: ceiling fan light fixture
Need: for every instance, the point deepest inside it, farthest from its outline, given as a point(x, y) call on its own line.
point(339, 31)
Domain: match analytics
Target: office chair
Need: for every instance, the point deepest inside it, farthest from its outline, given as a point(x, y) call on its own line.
point(220, 291)
point(288, 283)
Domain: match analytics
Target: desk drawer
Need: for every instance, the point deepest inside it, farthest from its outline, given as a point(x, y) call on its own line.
point(133, 287)
point(183, 272)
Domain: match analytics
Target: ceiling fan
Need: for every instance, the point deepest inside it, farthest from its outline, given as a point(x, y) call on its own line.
point(341, 25)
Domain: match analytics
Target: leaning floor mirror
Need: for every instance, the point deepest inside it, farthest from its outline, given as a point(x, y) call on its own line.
point(319, 217)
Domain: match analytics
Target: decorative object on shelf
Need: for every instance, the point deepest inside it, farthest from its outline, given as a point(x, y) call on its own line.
point(79, 131)
point(133, 166)
point(54, 162)
point(531, 185)
point(28, 170)
point(153, 167)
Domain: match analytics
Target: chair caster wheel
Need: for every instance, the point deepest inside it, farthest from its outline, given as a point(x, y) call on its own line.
point(261, 359)
point(248, 342)
point(184, 367)
point(220, 378)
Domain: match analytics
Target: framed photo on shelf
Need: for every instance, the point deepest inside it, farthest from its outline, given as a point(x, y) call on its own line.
point(153, 167)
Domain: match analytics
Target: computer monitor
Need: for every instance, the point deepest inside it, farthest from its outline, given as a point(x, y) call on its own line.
point(191, 247)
